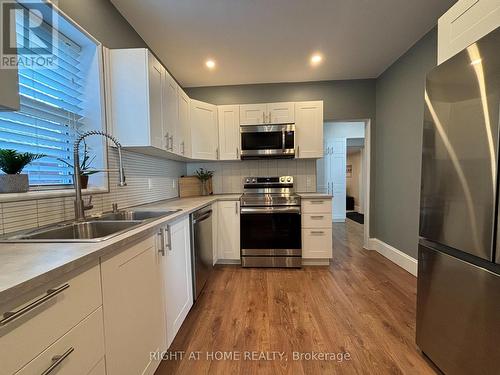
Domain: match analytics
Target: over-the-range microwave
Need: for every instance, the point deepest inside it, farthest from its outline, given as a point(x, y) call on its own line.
point(267, 141)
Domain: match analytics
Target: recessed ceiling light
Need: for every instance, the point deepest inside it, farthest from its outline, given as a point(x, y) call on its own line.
point(316, 59)
point(210, 64)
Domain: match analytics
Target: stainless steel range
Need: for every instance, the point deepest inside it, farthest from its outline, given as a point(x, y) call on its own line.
point(270, 223)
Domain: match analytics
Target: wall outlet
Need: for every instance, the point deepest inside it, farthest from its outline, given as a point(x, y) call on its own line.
point(174, 183)
point(150, 183)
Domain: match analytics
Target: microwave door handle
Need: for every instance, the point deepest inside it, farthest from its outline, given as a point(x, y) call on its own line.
point(283, 139)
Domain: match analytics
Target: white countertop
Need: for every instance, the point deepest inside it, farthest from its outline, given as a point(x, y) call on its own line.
point(24, 266)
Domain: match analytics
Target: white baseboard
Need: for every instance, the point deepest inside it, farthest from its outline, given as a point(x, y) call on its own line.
point(315, 262)
point(394, 255)
point(228, 261)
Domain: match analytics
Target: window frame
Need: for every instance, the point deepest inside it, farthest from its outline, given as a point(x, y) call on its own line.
point(95, 109)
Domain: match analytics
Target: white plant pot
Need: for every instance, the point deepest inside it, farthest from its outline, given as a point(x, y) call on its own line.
point(14, 183)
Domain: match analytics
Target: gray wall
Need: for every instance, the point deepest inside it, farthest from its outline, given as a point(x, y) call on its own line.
point(398, 141)
point(103, 21)
point(343, 100)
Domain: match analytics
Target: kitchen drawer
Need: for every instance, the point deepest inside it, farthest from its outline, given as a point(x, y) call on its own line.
point(313, 206)
point(322, 220)
point(24, 338)
point(316, 243)
point(79, 350)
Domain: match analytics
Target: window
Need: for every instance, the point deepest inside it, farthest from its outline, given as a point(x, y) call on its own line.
point(54, 105)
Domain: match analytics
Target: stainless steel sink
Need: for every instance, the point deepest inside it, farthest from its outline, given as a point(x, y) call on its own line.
point(95, 229)
point(134, 215)
point(87, 231)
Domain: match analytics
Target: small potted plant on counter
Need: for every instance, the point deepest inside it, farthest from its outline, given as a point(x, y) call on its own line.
point(85, 166)
point(12, 164)
point(205, 176)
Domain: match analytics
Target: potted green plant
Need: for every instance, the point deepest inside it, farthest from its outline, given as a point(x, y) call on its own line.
point(205, 176)
point(85, 166)
point(12, 164)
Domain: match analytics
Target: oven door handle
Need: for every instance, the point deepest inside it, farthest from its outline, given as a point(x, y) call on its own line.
point(270, 210)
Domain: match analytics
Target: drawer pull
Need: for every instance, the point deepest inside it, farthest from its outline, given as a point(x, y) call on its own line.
point(317, 202)
point(317, 232)
point(10, 316)
point(57, 360)
point(317, 217)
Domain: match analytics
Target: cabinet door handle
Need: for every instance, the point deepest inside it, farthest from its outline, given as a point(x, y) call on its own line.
point(263, 117)
point(236, 208)
point(167, 139)
point(168, 241)
point(161, 246)
point(317, 232)
point(171, 143)
point(298, 151)
point(183, 146)
point(317, 217)
point(57, 360)
point(237, 153)
point(217, 153)
point(10, 316)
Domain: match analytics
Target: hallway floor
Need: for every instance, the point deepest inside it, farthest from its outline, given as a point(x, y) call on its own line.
point(360, 310)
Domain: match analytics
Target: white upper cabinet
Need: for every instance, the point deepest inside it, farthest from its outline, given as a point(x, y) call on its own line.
point(270, 113)
point(171, 109)
point(466, 22)
point(281, 113)
point(253, 114)
point(229, 132)
point(182, 129)
point(204, 134)
point(309, 129)
point(136, 88)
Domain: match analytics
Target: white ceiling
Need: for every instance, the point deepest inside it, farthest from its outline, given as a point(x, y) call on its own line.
point(263, 41)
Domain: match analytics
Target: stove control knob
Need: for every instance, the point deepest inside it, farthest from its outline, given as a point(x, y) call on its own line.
point(282, 179)
point(289, 179)
point(247, 180)
point(254, 180)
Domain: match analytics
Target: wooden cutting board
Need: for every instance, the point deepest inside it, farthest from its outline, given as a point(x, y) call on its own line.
point(189, 186)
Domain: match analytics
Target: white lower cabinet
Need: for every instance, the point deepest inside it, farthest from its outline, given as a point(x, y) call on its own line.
point(176, 275)
point(317, 228)
point(228, 236)
point(78, 352)
point(60, 306)
point(134, 316)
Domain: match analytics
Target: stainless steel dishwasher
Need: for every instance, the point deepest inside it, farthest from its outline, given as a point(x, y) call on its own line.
point(202, 248)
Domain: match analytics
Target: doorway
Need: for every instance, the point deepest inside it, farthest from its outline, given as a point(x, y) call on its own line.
point(344, 170)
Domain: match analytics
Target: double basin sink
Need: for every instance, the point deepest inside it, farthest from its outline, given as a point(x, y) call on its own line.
point(94, 229)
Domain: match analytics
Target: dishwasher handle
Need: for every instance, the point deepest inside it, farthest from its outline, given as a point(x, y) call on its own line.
point(202, 217)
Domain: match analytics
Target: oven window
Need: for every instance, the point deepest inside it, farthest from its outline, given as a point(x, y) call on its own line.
point(262, 141)
point(270, 231)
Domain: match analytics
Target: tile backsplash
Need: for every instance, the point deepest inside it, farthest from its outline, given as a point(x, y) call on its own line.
point(228, 175)
point(149, 179)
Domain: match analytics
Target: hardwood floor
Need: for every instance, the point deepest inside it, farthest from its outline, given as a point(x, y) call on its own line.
point(361, 307)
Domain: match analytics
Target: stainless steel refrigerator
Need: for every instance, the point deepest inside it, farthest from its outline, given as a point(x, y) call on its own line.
point(458, 296)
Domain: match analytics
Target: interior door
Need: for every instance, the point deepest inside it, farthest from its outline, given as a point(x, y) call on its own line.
point(337, 177)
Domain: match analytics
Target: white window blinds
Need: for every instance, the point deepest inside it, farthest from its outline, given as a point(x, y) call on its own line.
point(50, 115)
